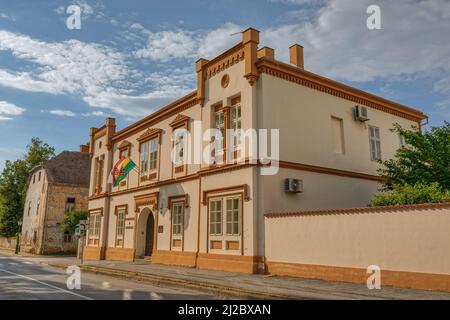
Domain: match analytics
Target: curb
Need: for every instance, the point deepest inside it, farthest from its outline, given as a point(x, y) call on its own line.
point(203, 286)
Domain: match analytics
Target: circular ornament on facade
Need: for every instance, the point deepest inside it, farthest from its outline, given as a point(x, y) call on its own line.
point(225, 81)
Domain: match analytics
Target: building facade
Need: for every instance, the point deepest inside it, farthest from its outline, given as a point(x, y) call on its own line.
point(53, 189)
point(210, 214)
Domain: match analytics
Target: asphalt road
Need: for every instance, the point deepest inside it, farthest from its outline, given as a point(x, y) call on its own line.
point(22, 279)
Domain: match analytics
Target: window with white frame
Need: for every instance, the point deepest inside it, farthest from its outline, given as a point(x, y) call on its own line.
point(94, 228)
point(177, 218)
point(215, 217)
point(236, 123)
point(375, 143)
point(232, 216)
point(120, 223)
point(225, 210)
point(144, 157)
point(219, 124)
point(179, 147)
point(153, 154)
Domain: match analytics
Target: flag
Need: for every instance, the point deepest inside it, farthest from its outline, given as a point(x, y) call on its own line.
point(120, 170)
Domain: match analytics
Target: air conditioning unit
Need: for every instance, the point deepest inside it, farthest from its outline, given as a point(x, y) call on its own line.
point(293, 185)
point(361, 113)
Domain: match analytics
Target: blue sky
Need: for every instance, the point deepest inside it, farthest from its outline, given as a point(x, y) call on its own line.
point(131, 57)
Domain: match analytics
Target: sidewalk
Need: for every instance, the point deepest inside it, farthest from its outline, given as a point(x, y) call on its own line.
point(237, 284)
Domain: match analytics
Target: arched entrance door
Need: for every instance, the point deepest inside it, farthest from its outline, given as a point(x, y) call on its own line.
point(149, 235)
point(145, 233)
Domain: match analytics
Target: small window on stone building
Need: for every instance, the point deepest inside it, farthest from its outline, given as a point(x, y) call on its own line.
point(34, 236)
point(34, 178)
point(37, 208)
point(29, 208)
point(39, 177)
point(70, 205)
point(67, 237)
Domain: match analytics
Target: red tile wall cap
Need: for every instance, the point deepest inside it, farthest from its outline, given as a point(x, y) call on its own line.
point(360, 209)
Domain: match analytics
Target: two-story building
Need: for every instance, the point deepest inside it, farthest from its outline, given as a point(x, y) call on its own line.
point(211, 215)
point(54, 188)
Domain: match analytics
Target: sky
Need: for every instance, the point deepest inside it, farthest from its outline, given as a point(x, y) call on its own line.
point(130, 58)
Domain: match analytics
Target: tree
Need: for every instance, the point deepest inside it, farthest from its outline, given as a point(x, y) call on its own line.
point(71, 219)
point(13, 184)
point(411, 194)
point(424, 159)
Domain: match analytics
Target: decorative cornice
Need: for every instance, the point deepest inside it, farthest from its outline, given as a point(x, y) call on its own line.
point(224, 61)
point(180, 120)
point(124, 145)
point(359, 210)
point(308, 79)
point(149, 133)
point(178, 106)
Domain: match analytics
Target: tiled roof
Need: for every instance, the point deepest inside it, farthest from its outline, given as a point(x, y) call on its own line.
point(356, 210)
point(69, 167)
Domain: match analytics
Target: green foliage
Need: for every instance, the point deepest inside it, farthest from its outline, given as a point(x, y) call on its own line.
point(71, 220)
point(411, 194)
point(424, 159)
point(13, 184)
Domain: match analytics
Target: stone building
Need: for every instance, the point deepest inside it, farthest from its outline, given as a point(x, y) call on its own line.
point(54, 188)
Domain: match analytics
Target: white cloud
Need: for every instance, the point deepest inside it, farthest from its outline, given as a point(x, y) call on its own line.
point(8, 110)
point(338, 43)
point(178, 43)
point(61, 113)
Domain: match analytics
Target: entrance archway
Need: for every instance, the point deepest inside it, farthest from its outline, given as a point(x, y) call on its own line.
point(145, 233)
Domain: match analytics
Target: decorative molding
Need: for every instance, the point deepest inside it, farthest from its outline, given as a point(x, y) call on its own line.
point(149, 134)
point(316, 82)
point(171, 109)
point(124, 145)
point(180, 120)
point(225, 81)
point(149, 199)
point(327, 170)
point(224, 61)
point(242, 187)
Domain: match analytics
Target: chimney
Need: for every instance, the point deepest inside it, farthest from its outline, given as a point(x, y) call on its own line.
point(267, 53)
point(296, 55)
point(84, 148)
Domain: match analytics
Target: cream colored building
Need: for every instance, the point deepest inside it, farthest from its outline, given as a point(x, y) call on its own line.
point(212, 215)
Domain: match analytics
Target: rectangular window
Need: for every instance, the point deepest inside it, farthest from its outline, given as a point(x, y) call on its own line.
point(98, 175)
point(144, 157)
point(123, 153)
point(215, 217)
point(219, 124)
point(177, 218)
point(179, 149)
point(70, 205)
point(338, 135)
point(120, 224)
point(153, 154)
point(29, 208)
point(233, 216)
point(37, 207)
point(39, 179)
point(375, 143)
point(236, 123)
point(94, 225)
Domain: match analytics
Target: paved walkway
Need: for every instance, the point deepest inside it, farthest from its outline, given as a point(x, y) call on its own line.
point(288, 287)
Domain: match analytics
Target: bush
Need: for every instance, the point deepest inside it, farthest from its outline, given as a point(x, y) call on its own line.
point(71, 220)
point(411, 194)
